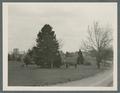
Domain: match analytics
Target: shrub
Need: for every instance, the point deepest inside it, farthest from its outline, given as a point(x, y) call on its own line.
point(87, 63)
point(27, 60)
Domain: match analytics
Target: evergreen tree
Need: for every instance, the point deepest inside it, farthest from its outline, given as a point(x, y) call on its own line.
point(80, 59)
point(46, 53)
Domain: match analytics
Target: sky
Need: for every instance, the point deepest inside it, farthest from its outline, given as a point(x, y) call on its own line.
point(69, 21)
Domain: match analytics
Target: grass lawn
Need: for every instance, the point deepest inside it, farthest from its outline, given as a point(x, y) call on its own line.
point(33, 76)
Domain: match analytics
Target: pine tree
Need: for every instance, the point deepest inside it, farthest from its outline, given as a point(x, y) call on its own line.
point(46, 53)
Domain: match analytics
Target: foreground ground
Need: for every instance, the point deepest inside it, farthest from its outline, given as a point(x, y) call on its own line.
point(34, 76)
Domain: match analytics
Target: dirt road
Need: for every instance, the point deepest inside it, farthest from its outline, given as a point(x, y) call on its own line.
point(101, 79)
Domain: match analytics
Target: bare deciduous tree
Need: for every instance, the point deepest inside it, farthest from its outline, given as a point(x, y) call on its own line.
point(98, 40)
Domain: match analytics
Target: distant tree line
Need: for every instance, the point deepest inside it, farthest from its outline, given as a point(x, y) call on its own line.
point(15, 55)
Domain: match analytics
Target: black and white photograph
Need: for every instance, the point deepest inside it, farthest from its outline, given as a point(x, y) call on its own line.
point(59, 46)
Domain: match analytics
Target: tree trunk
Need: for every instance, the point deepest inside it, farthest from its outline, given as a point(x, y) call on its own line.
point(51, 64)
point(66, 65)
point(98, 65)
point(98, 59)
point(75, 65)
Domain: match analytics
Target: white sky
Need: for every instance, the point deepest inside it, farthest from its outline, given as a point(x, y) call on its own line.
point(69, 21)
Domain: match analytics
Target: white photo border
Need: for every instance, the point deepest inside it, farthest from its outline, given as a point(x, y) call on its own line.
point(37, 88)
